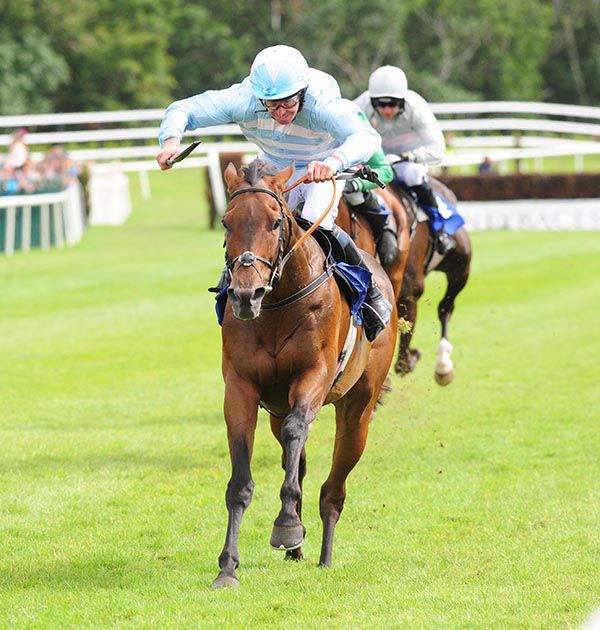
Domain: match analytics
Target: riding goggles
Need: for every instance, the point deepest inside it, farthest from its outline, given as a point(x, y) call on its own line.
point(387, 101)
point(286, 103)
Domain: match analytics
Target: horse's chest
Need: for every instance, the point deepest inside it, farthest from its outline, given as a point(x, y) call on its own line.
point(264, 364)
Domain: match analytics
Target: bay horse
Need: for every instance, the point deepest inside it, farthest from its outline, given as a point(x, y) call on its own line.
point(357, 226)
point(284, 329)
point(422, 259)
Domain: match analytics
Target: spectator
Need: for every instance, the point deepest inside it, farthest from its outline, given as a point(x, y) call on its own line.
point(18, 153)
point(485, 166)
point(9, 185)
point(56, 171)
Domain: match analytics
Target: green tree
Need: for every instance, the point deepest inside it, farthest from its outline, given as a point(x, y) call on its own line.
point(116, 51)
point(32, 72)
point(572, 68)
point(485, 48)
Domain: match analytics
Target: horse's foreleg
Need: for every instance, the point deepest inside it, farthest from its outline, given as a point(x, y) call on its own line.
point(412, 288)
point(292, 554)
point(413, 285)
point(288, 531)
point(241, 409)
point(352, 425)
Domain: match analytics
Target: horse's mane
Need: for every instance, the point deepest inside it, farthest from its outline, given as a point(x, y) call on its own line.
point(256, 170)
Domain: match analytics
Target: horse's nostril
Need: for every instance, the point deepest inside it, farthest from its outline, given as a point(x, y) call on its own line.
point(259, 293)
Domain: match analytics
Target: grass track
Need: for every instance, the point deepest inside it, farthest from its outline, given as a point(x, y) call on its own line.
point(474, 506)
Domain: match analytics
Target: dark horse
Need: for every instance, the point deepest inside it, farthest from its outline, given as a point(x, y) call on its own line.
point(356, 224)
point(421, 260)
point(284, 329)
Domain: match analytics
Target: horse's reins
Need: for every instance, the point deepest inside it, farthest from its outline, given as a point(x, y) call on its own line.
point(249, 258)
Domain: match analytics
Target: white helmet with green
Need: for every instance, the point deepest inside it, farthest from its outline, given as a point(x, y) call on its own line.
point(388, 81)
point(278, 72)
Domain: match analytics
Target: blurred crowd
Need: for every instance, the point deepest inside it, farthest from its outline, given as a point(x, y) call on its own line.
point(21, 175)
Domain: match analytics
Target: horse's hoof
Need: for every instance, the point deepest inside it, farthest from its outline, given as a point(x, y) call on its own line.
point(287, 538)
point(294, 555)
point(225, 581)
point(444, 379)
point(415, 355)
point(402, 368)
point(407, 365)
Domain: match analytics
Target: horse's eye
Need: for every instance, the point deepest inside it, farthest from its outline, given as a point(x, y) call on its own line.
point(277, 224)
point(224, 224)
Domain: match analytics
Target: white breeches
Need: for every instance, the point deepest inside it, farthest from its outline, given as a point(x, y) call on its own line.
point(411, 173)
point(316, 197)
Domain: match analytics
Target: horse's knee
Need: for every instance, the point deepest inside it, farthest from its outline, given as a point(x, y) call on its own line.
point(445, 308)
point(412, 291)
point(294, 427)
point(239, 492)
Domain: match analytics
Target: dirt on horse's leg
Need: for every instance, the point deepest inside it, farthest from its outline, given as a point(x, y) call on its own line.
point(412, 289)
point(353, 413)
point(291, 554)
point(241, 409)
point(413, 285)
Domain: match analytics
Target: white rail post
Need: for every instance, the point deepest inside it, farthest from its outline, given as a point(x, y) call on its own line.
point(45, 226)
point(57, 217)
point(145, 184)
point(9, 236)
point(26, 229)
point(216, 181)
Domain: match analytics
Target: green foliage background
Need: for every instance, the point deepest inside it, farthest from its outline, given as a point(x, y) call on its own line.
point(74, 55)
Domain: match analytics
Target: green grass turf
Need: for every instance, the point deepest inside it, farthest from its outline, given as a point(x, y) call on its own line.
point(474, 506)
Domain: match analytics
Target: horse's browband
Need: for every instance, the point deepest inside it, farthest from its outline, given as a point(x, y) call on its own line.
point(273, 194)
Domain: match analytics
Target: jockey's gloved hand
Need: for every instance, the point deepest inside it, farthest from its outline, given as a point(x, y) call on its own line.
point(351, 186)
point(408, 156)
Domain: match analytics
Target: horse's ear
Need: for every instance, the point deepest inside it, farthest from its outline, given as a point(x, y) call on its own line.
point(231, 177)
point(282, 178)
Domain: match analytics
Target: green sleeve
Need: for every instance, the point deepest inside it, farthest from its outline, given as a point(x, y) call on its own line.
point(379, 164)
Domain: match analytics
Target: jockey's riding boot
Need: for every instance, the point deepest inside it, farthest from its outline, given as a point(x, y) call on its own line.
point(425, 194)
point(376, 310)
point(387, 245)
point(443, 242)
point(223, 282)
point(386, 239)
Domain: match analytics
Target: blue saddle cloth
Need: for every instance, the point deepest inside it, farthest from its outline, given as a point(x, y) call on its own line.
point(354, 282)
point(445, 216)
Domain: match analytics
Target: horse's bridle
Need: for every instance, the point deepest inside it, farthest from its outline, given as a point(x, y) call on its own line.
point(249, 258)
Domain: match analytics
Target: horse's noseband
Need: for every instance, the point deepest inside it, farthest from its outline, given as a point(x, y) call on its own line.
point(248, 258)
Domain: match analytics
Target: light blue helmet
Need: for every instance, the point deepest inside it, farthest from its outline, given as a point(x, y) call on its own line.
point(278, 72)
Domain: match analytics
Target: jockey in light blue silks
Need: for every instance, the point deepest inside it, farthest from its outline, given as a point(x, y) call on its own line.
point(294, 114)
point(411, 133)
